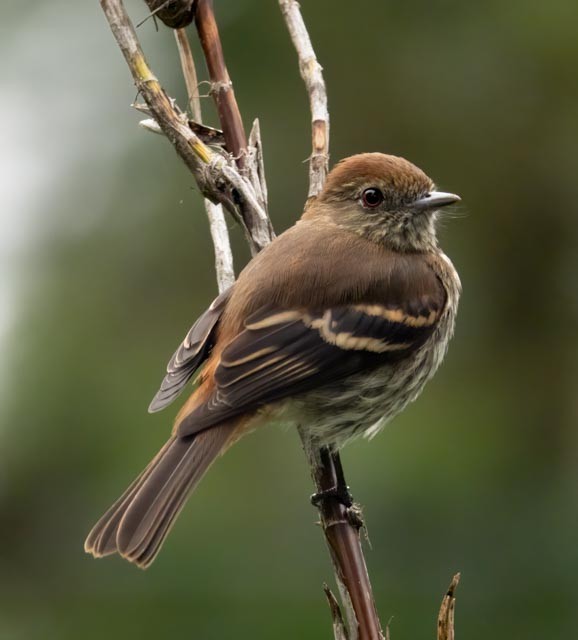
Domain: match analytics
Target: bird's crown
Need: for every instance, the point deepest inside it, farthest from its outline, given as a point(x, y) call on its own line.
point(399, 180)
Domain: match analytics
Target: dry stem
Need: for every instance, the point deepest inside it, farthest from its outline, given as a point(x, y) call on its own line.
point(312, 74)
point(446, 615)
point(189, 73)
point(247, 158)
point(221, 85)
point(217, 224)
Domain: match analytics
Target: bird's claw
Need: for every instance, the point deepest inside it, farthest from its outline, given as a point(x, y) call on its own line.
point(340, 493)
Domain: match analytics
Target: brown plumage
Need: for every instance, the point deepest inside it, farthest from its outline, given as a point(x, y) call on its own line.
point(338, 323)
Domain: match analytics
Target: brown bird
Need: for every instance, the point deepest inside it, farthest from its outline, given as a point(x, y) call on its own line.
point(336, 325)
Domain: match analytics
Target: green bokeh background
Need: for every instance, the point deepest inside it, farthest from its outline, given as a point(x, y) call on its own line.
point(106, 260)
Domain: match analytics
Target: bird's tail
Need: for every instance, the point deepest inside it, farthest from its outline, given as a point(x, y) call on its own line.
point(138, 522)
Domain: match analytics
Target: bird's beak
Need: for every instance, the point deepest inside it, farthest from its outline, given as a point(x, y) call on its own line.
point(435, 200)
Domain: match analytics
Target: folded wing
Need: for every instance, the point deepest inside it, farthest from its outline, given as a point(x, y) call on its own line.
point(283, 352)
point(192, 352)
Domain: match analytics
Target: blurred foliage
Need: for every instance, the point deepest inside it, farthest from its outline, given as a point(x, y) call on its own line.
point(106, 261)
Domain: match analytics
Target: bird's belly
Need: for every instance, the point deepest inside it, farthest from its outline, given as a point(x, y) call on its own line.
point(365, 402)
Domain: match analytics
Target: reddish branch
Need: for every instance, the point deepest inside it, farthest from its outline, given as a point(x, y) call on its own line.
point(221, 85)
point(341, 526)
point(249, 161)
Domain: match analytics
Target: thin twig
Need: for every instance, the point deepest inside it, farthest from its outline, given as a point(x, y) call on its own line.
point(246, 158)
point(223, 254)
point(255, 166)
point(189, 73)
point(217, 224)
point(187, 144)
point(446, 630)
point(221, 85)
point(339, 631)
point(312, 74)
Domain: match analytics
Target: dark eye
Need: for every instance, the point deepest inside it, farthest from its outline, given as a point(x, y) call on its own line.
point(372, 198)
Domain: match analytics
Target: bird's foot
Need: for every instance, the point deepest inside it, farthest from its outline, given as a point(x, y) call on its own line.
point(338, 492)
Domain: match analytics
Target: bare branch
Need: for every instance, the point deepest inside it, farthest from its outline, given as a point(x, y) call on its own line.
point(341, 526)
point(221, 85)
point(188, 146)
point(189, 73)
point(217, 223)
point(446, 629)
point(260, 228)
point(255, 164)
point(339, 631)
point(312, 74)
point(223, 254)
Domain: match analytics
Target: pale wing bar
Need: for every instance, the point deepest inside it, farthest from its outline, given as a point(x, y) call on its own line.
point(282, 353)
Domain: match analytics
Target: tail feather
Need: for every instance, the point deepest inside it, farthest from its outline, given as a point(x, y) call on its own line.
point(138, 522)
point(101, 541)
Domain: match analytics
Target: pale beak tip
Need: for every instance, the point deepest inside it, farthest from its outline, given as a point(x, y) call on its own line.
point(435, 200)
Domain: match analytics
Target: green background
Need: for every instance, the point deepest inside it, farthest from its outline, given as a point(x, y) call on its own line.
point(105, 261)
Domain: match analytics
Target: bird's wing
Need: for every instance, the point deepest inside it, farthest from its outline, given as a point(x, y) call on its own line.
point(284, 352)
point(192, 352)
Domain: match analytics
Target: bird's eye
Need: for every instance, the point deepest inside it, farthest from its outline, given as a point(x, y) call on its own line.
point(371, 198)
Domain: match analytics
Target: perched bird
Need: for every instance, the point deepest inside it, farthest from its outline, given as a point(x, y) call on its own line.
point(336, 325)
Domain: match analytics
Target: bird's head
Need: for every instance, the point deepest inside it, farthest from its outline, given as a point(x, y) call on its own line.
point(384, 198)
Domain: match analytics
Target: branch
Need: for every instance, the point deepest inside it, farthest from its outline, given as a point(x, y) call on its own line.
point(312, 74)
point(339, 632)
point(446, 616)
point(221, 85)
point(189, 73)
point(217, 223)
point(341, 526)
point(247, 157)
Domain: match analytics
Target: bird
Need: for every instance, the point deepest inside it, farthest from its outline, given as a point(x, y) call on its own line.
point(335, 327)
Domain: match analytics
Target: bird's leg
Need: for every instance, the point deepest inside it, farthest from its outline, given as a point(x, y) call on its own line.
point(339, 490)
